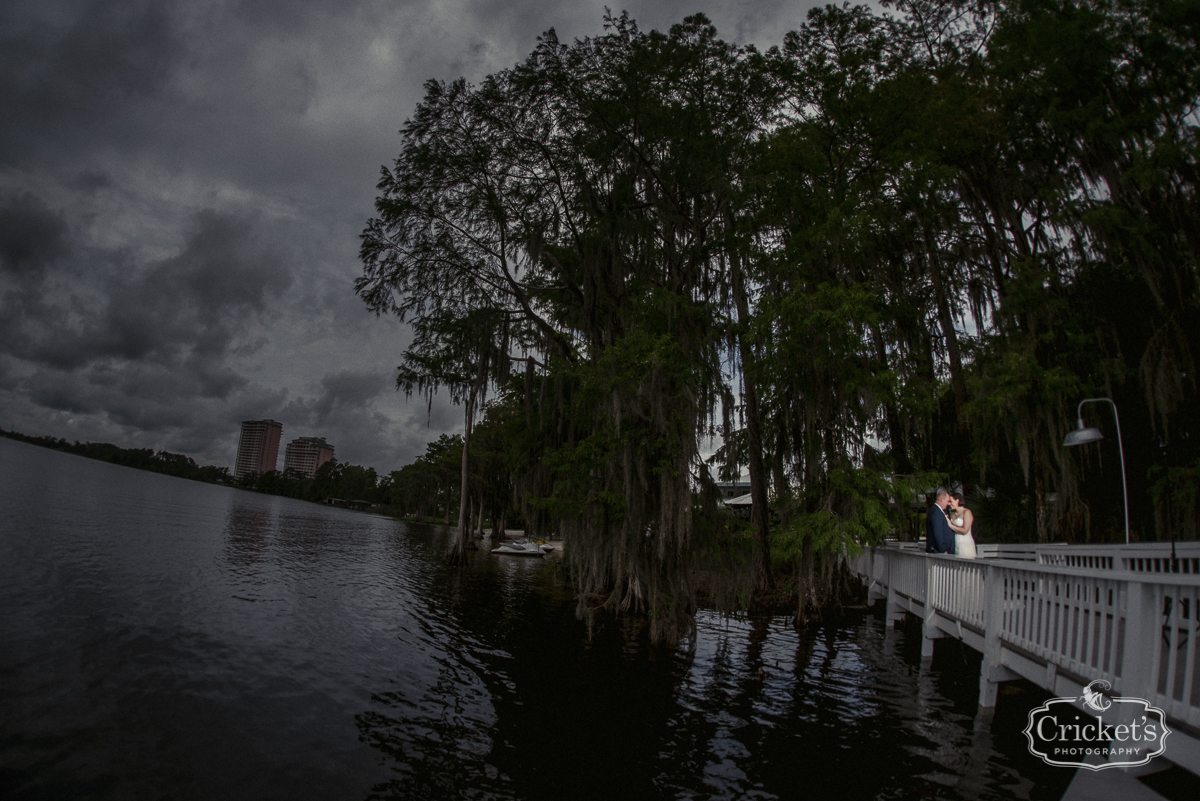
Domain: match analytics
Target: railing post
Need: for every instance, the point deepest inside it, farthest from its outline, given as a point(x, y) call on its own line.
point(873, 592)
point(895, 612)
point(1140, 652)
point(991, 672)
point(1141, 638)
point(929, 631)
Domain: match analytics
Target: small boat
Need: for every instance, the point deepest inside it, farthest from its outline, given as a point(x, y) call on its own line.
point(523, 548)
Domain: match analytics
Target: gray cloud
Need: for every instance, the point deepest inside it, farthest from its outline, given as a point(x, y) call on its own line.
point(32, 237)
point(90, 181)
point(182, 185)
point(112, 52)
point(346, 412)
point(347, 389)
point(77, 64)
point(224, 277)
point(187, 310)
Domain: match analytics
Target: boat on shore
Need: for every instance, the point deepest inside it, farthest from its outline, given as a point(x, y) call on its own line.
point(523, 548)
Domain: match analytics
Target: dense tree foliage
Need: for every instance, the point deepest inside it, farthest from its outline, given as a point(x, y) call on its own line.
point(428, 488)
point(894, 251)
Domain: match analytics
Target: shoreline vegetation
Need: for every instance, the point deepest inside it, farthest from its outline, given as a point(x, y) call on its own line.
point(409, 494)
point(412, 494)
point(892, 253)
point(165, 462)
point(334, 481)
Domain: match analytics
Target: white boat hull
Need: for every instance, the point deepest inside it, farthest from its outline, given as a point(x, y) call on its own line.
point(522, 548)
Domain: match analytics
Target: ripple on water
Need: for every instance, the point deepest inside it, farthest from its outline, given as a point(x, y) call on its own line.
point(164, 638)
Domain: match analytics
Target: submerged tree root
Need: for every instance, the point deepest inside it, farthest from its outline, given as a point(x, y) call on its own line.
point(807, 597)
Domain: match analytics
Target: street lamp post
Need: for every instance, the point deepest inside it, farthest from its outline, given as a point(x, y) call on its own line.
point(1082, 436)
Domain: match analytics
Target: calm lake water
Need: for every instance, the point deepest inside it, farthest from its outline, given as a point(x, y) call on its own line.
point(161, 638)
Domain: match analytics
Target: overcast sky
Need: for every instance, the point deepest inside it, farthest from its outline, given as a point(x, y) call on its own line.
point(182, 185)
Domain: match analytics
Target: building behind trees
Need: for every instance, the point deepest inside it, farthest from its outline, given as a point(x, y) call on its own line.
point(258, 447)
point(306, 454)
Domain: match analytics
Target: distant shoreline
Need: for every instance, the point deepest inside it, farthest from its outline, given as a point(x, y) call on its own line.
point(180, 466)
point(164, 462)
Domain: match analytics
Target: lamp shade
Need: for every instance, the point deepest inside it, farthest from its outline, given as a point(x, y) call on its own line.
point(1082, 436)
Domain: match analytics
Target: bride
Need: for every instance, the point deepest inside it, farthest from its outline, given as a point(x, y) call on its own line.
point(961, 521)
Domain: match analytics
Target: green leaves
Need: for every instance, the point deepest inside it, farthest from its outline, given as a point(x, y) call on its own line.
point(895, 244)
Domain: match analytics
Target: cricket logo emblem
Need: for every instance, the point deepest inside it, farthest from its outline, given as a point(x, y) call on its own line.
point(1094, 698)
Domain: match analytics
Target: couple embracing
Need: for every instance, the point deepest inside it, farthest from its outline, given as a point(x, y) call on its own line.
point(948, 526)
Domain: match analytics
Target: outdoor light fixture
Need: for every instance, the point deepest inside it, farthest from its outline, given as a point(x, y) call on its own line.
point(1082, 436)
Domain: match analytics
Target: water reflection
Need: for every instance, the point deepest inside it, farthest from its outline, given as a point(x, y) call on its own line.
point(247, 533)
point(216, 643)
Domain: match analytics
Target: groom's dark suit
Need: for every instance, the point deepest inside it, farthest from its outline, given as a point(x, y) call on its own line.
point(939, 537)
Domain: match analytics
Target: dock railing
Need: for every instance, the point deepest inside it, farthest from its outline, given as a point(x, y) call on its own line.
point(1062, 616)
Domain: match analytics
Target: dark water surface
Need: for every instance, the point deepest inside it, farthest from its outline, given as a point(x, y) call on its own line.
point(161, 638)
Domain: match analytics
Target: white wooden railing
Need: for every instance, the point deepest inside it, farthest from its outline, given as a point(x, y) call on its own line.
point(1062, 616)
point(1149, 557)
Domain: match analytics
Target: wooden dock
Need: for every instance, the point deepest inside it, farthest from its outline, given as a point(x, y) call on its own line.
point(1063, 616)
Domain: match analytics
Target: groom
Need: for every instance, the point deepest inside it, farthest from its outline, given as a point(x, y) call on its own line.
point(939, 538)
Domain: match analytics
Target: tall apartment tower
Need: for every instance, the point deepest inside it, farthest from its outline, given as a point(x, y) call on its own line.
point(306, 454)
point(258, 447)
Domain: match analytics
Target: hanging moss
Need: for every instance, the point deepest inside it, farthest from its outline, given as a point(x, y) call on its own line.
point(890, 250)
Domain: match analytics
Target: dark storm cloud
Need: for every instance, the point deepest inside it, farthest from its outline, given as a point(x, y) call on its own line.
point(339, 395)
point(66, 65)
point(199, 300)
point(145, 400)
point(146, 396)
point(7, 379)
point(32, 237)
point(112, 52)
point(90, 181)
point(182, 185)
point(186, 311)
point(64, 392)
point(346, 412)
point(347, 389)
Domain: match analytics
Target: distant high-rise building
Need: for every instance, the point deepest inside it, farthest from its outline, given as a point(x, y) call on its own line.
point(306, 454)
point(258, 447)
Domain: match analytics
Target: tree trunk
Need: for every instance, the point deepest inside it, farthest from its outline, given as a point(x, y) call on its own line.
point(470, 527)
point(1039, 491)
point(953, 350)
point(759, 514)
point(897, 440)
point(958, 380)
point(782, 490)
point(458, 553)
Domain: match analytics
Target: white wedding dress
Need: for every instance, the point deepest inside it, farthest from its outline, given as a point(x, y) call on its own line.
point(964, 544)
